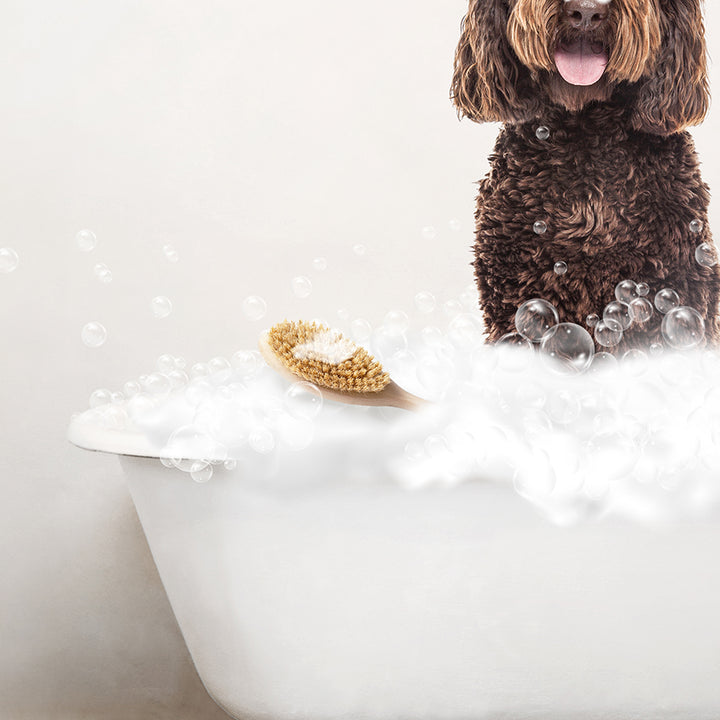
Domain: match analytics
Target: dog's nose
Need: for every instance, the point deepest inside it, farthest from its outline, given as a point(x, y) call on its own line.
point(585, 14)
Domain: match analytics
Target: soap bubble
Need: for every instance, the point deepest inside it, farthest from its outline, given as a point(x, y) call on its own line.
point(683, 328)
point(320, 263)
point(608, 332)
point(534, 318)
point(86, 240)
point(656, 349)
point(165, 363)
point(386, 341)
point(9, 260)
point(542, 132)
point(705, 255)
point(199, 369)
point(198, 390)
point(396, 320)
point(201, 471)
point(261, 440)
point(254, 308)
point(157, 384)
point(666, 299)
point(99, 397)
point(696, 226)
point(455, 225)
point(514, 339)
point(301, 286)
point(177, 378)
point(359, 249)
point(131, 388)
point(642, 310)
point(230, 464)
point(540, 227)
point(219, 363)
point(429, 233)
point(247, 362)
point(466, 331)
point(170, 253)
point(602, 361)
point(592, 320)
point(560, 267)
point(636, 361)
point(425, 302)
point(361, 330)
point(642, 289)
point(570, 345)
point(435, 374)
point(432, 336)
point(620, 312)
point(102, 273)
point(303, 400)
point(93, 334)
point(626, 291)
point(161, 306)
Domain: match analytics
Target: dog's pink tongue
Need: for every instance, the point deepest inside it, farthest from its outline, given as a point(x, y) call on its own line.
point(580, 63)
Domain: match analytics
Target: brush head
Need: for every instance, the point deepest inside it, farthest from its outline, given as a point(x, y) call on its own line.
point(325, 358)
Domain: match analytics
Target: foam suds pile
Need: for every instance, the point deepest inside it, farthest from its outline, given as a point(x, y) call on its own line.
point(639, 437)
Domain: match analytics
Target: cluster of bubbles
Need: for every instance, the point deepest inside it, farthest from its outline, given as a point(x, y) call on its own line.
point(705, 253)
point(203, 415)
point(682, 327)
point(600, 436)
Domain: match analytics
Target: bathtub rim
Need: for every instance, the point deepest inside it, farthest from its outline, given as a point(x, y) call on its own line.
point(86, 435)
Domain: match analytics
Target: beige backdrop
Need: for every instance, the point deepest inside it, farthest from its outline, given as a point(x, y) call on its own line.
point(254, 137)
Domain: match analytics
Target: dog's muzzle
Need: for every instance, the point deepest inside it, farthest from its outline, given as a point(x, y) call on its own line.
point(582, 60)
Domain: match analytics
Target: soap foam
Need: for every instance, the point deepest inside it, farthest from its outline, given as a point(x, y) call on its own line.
point(639, 437)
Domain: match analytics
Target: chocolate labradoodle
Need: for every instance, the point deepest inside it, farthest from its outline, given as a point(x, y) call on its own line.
point(593, 167)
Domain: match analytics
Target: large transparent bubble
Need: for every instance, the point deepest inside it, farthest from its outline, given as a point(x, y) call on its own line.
point(666, 299)
point(683, 328)
point(570, 346)
point(620, 312)
point(626, 291)
point(534, 318)
point(608, 333)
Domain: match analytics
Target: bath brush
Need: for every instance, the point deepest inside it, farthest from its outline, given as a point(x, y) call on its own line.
point(341, 369)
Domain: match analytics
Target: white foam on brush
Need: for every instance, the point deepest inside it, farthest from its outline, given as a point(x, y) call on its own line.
point(326, 346)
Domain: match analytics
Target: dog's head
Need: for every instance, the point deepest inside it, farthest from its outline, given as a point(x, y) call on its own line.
point(517, 56)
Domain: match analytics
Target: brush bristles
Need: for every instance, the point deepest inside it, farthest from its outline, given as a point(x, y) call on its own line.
point(325, 358)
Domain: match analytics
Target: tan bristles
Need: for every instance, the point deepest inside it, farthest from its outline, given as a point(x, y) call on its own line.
point(325, 358)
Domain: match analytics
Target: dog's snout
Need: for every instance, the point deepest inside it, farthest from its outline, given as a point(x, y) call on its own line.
point(585, 14)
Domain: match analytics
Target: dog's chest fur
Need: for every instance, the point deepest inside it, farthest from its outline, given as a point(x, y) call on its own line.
point(617, 204)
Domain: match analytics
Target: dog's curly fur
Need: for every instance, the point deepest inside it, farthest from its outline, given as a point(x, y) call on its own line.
point(617, 181)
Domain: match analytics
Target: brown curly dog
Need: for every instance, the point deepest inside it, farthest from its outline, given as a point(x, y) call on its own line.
point(593, 167)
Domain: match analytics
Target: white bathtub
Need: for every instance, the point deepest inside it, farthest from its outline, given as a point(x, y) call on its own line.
point(335, 598)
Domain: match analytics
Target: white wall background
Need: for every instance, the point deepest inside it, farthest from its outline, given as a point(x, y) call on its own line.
point(254, 136)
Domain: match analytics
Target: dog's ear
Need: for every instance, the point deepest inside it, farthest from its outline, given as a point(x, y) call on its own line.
point(489, 82)
point(675, 95)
